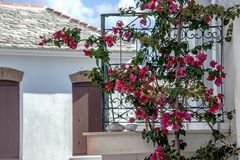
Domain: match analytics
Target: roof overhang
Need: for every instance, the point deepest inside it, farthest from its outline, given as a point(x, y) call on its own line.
point(55, 52)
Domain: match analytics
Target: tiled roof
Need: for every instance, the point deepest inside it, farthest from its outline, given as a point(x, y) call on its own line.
point(21, 25)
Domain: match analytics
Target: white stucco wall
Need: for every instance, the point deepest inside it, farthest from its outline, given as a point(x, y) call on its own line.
point(236, 75)
point(46, 101)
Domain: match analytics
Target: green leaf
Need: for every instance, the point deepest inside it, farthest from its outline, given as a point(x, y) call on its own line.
point(182, 132)
point(182, 144)
point(230, 115)
point(228, 39)
point(225, 22)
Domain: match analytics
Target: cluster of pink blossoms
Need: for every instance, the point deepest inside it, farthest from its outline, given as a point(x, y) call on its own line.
point(184, 61)
point(63, 37)
point(216, 101)
point(121, 31)
point(174, 120)
point(155, 5)
point(218, 79)
point(108, 39)
point(158, 153)
point(127, 82)
point(171, 7)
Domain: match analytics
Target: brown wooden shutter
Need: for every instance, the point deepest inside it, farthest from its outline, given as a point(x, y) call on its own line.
point(9, 120)
point(86, 114)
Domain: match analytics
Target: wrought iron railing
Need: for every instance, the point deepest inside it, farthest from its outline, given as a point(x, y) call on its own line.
point(114, 106)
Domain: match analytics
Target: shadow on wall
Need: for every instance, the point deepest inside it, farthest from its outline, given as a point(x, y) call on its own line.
point(46, 75)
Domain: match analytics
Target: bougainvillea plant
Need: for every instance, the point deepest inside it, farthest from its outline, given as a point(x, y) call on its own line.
point(160, 90)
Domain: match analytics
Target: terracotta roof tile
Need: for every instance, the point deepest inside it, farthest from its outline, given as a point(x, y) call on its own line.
point(50, 9)
point(65, 16)
point(6, 3)
point(57, 12)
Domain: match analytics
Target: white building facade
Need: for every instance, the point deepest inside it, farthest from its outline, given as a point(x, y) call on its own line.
point(45, 95)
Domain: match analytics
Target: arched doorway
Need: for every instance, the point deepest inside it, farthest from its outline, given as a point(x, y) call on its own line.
point(9, 113)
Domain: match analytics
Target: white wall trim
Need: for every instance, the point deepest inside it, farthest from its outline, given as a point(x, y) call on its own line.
point(54, 52)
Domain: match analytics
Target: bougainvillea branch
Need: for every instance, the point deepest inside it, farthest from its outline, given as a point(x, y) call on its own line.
point(160, 90)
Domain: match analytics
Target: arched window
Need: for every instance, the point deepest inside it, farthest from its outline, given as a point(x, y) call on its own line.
point(9, 113)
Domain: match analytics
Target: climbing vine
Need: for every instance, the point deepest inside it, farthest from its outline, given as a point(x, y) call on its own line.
point(160, 90)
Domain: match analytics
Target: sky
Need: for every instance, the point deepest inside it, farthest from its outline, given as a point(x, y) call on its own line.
point(85, 10)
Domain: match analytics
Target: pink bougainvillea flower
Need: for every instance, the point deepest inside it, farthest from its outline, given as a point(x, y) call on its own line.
point(109, 86)
point(155, 115)
point(141, 73)
point(151, 5)
point(158, 153)
point(87, 52)
point(173, 8)
point(218, 82)
point(165, 131)
point(201, 56)
point(119, 85)
point(123, 66)
point(152, 78)
point(133, 78)
point(219, 67)
point(143, 22)
point(43, 42)
point(210, 78)
point(64, 38)
point(157, 129)
point(207, 19)
point(178, 22)
point(146, 68)
point(72, 44)
point(159, 8)
point(223, 75)
point(176, 127)
point(165, 121)
point(86, 45)
point(215, 108)
point(109, 39)
point(138, 113)
point(110, 42)
point(188, 59)
point(220, 96)
point(213, 63)
point(220, 105)
point(127, 34)
point(115, 30)
point(187, 116)
point(131, 120)
point(210, 91)
point(57, 35)
point(143, 99)
point(153, 157)
point(110, 71)
point(181, 72)
point(120, 24)
point(169, 65)
point(196, 63)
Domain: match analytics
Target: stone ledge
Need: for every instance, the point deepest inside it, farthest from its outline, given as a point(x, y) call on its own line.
point(81, 76)
point(11, 74)
point(87, 157)
point(127, 133)
point(132, 142)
